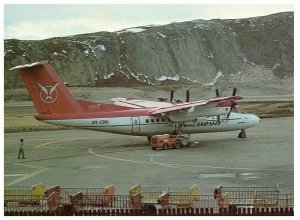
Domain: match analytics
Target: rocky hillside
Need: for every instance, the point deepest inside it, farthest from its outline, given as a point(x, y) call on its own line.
point(256, 51)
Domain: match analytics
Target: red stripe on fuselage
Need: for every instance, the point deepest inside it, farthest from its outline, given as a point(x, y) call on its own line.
point(102, 114)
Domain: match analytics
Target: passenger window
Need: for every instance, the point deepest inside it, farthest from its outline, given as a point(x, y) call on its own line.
point(152, 120)
point(157, 120)
point(147, 120)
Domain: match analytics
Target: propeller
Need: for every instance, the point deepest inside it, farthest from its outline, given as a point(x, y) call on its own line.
point(232, 103)
point(217, 93)
point(187, 96)
point(234, 91)
point(172, 95)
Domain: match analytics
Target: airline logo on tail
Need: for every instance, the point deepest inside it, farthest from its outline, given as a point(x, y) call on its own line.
point(48, 94)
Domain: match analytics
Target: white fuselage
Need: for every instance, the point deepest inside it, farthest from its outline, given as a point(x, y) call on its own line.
point(151, 125)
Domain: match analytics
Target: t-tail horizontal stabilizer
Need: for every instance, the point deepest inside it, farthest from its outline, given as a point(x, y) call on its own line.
point(48, 92)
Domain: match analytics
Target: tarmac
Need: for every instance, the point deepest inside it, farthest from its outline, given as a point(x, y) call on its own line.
point(89, 159)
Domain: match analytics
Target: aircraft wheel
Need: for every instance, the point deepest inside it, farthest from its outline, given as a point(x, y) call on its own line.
point(153, 148)
point(177, 144)
point(174, 132)
point(149, 138)
point(242, 134)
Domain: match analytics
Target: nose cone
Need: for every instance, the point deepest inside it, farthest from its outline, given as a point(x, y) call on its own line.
point(254, 120)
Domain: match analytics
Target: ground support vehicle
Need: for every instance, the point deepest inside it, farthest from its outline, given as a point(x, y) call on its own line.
point(167, 141)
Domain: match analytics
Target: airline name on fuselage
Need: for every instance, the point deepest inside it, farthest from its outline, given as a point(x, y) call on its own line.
point(198, 124)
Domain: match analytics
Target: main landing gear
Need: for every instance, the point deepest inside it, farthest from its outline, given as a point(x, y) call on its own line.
point(242, 134)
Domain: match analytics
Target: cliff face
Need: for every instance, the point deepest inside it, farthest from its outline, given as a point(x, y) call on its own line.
point(254, 51)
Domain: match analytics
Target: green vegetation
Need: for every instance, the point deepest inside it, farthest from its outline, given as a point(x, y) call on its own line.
point(21, 118)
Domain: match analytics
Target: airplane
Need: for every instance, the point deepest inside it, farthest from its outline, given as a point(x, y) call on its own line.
point(128, 116)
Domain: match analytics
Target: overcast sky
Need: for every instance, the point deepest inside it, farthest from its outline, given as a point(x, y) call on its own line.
point(32, 21)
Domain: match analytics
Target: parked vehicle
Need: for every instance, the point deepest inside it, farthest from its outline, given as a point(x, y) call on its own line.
point(167, 141)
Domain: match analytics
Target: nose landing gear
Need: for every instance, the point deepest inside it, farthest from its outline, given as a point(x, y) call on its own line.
point(242, 134)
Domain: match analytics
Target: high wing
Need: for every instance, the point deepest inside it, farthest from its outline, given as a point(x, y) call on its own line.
point(136, 103)
point(181, 111)
point(194, 105)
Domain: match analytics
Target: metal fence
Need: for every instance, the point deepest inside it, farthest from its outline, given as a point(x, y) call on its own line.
point(160, 212)
point(26, 203)
point(252, 197)
point(148, 200)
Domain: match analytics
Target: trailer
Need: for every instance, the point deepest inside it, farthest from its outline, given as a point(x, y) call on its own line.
point(247, 196)
point(24, 194)
point(81, 198)
point(156, 196)
point(23, 198)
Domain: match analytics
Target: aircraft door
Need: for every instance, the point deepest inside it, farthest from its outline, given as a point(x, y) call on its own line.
point(135, 125)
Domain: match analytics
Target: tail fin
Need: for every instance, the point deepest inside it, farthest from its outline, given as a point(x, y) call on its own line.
point(47, 90)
